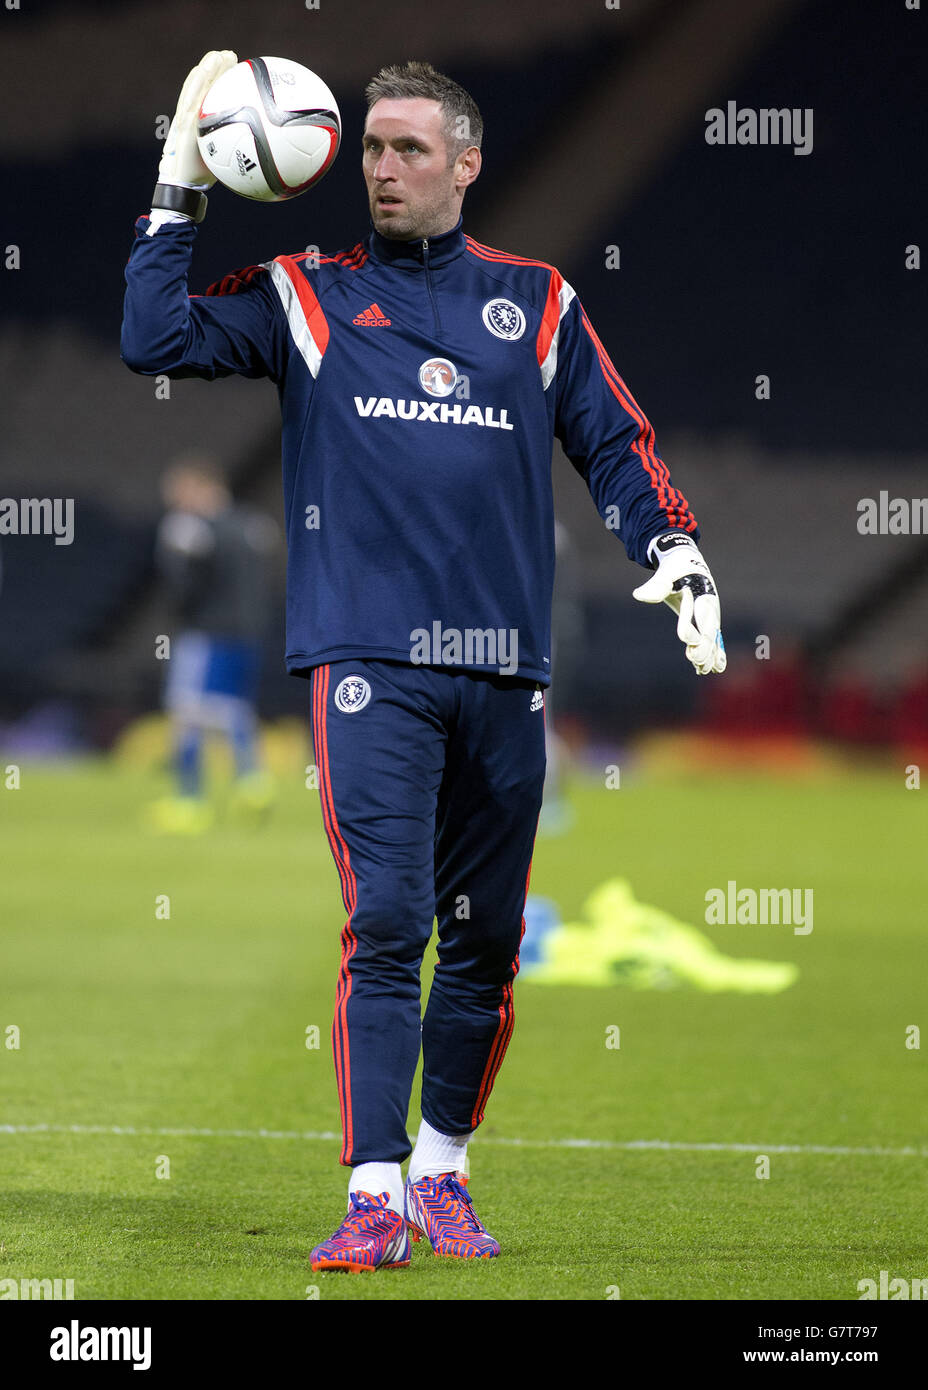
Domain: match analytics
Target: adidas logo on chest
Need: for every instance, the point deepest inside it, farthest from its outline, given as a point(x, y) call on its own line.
point(372, 317)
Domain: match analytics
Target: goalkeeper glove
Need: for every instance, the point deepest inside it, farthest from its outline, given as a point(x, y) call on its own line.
point(182, 175)
point(682, 581)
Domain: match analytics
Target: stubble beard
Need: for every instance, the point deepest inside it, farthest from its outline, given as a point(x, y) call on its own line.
point(414, 225)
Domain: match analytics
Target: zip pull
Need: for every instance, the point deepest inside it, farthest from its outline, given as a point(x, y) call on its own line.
point(428, 282)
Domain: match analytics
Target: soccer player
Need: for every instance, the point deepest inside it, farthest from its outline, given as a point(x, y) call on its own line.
point(214, 557)
point(422, 377)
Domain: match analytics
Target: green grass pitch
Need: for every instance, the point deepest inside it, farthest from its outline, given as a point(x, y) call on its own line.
point(199, 1023)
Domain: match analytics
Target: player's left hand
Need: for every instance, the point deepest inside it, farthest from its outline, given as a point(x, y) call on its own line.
point(180, 161)
point(682, 581)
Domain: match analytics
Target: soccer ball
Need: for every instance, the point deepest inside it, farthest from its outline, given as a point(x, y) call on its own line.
point(268, 129)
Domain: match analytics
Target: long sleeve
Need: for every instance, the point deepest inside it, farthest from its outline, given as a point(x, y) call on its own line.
point(609, 440)
point(237, 327)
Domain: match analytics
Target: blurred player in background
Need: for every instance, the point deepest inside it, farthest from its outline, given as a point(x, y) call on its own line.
point(215, 558)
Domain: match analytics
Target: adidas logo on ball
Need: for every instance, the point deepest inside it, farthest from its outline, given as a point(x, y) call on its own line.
point(245, 165)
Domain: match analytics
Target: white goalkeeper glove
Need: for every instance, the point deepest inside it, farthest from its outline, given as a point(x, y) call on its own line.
point(181, 167)
point(682, 581)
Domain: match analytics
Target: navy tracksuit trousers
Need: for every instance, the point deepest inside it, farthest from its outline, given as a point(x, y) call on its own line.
point(431, 782)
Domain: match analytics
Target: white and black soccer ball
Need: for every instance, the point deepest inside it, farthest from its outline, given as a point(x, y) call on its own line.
point(268, 129)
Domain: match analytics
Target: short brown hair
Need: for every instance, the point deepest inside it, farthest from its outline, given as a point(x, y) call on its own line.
point(462, 123)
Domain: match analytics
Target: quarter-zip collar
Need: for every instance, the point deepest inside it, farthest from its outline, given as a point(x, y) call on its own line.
point(421, 252)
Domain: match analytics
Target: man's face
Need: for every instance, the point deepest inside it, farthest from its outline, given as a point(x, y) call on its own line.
point(411, 191)
point(185, 490)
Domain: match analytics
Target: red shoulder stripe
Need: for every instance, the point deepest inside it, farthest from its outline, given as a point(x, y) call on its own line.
point(669, 498)
point(550, 318)
point(316, 256)
point(337, 258)
point(316, 320)
point(490, 253)
point(353, 258)
point(235, 281)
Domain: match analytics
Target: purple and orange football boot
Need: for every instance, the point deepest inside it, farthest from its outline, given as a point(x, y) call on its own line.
point(440, 1209)
point(372, 1236)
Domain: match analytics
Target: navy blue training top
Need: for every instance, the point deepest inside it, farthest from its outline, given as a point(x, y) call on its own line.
point(421, 384)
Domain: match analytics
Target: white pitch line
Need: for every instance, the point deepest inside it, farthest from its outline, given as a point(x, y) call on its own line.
point(626, 1146)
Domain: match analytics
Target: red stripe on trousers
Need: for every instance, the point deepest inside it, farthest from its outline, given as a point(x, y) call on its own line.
point(507, 1020)
point(340, 1047)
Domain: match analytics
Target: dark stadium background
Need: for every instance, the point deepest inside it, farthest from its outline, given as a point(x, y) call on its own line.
point(735, 262)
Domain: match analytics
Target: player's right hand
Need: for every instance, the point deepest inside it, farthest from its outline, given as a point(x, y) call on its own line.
point(682, 580)
point(181, 162)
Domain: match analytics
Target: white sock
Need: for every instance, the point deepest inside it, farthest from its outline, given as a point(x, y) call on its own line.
point(437, 1153)
point(379, 1177)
